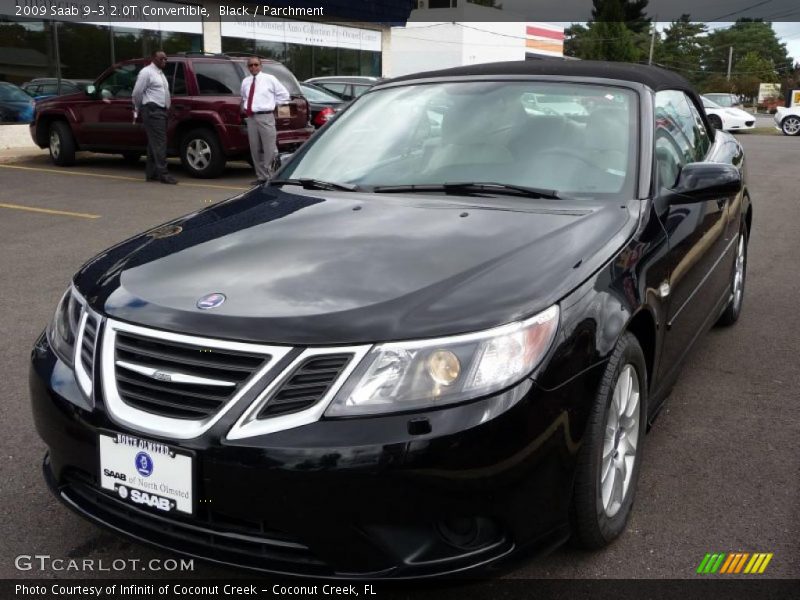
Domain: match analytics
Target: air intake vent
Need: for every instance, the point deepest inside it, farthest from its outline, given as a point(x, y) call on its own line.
point(307, 385)
point(179, 380)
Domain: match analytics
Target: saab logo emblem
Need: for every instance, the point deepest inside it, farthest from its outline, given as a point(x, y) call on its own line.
point(122, 491)
point(158, 502)
point(735, 563)
point(162, 376)
point(114, 474)
point(210, 301)
point(144, 464)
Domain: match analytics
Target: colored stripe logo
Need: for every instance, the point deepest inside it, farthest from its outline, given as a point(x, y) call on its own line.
point(734, 563)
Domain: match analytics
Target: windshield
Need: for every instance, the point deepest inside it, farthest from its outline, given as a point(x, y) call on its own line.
point(722, 100)
point(708, 103)
point(432, 134)
point(11, 93)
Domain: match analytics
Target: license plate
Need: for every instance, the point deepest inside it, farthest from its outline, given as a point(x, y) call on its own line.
point(147, 473)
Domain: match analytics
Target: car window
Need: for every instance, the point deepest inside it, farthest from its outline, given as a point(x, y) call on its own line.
point(52, 88)
point(318, 95)
point(480, 131)
point(360, 89)
point(336, 88)
point(674, 115)
point(217, 78)
point(176, 77)
point(703, 141)
point(11, 93)
point(283, 75)
point(119, 83)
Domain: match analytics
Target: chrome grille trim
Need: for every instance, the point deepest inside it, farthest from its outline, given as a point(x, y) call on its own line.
point(159, 425)
point(249, 425)
point(84, 373)
point(174, 376)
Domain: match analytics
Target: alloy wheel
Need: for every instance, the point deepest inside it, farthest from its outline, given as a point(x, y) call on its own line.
point(55, 144)
point(791, 125)
point(620, 441)
point(198, 153)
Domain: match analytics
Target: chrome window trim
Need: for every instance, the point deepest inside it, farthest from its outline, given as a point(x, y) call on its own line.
point(248, 425)
point(167, 427)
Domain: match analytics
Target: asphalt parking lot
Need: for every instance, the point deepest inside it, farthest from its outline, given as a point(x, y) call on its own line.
point(722, 463)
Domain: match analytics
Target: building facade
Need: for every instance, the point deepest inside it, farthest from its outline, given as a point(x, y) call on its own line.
point(35, 45)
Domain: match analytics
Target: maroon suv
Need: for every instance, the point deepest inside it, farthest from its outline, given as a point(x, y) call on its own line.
point(205, 125)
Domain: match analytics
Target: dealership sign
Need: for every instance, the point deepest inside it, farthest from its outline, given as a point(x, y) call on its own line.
point(306, 33)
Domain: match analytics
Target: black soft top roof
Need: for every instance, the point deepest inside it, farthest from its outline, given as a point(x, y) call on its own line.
point(655, 78)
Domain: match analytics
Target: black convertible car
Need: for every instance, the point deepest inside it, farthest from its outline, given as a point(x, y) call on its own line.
point(437, 337)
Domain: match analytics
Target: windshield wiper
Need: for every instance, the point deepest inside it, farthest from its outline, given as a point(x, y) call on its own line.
point(316, 184)
point(472, 186)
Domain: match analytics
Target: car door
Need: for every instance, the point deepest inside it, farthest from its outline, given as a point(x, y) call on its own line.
point(697, 231)
point(108, 118)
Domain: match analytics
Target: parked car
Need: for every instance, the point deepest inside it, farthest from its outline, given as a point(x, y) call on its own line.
point(345, 87)
point(727, 119)
point(788, 119)
point(44, 87)
point(416, 350)
point(16, 106)
point(322, 104)
point(205, 126)
point(724, 99)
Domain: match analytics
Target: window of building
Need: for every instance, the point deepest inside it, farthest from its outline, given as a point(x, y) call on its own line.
point(273, 50)
point(324, 61)
point(349, 62)
point(370, 63)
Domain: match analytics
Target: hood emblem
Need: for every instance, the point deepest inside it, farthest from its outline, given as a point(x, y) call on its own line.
point(210, 301)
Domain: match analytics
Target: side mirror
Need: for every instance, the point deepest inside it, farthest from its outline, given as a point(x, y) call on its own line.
point(702, 181)
point(90, 90)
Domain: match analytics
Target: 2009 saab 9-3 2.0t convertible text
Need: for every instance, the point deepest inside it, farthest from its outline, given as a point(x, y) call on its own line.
point(437, 337)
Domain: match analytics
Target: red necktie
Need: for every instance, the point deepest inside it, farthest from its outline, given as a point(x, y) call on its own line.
point(250, 97)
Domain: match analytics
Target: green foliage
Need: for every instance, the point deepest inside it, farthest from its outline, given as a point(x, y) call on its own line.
point(618, 32)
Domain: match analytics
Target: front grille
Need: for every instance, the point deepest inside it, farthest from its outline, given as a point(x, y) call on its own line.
point(307, 385)
point(179, 380)
point(208, 534)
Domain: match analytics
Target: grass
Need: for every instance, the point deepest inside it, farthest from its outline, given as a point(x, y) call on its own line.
point(758, 131)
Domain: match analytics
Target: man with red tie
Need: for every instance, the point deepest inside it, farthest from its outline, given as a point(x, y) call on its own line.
point(261, 94)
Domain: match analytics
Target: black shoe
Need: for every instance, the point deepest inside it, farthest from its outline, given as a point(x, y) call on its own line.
point(258, 182)
point(168, 179)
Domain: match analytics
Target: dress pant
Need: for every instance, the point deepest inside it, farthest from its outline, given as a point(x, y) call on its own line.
point(263, 137)
point(154, 119)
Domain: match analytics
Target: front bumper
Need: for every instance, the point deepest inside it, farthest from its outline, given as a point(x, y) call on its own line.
point(344, 498)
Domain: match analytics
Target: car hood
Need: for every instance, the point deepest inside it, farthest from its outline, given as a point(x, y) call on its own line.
point(337, 267)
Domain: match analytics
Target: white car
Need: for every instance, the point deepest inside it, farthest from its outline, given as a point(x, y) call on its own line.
point(727, 119)
point(788, 120)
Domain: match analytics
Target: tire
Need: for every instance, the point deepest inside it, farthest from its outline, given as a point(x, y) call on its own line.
point(131, 158)
point(715, 121)
point(61, 144)
point(738, 278)
point(600, 509)
point(201, 154)
point(791, 125)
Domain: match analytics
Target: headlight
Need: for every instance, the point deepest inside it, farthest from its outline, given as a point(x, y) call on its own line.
point(404, 376)
point(64, 327)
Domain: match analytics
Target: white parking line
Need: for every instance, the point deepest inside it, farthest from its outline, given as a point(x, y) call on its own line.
point(120, 177)
point(48, 211)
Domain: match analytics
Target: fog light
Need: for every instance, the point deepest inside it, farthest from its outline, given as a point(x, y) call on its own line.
point(443, 367)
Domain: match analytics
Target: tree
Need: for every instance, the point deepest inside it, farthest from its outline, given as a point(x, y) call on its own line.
point(752, 71)
point(617, 32)
point(745, 36)
point(683, 49)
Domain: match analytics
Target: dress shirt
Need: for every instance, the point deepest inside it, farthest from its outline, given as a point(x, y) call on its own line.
point(151, 86)
point(269, 93)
